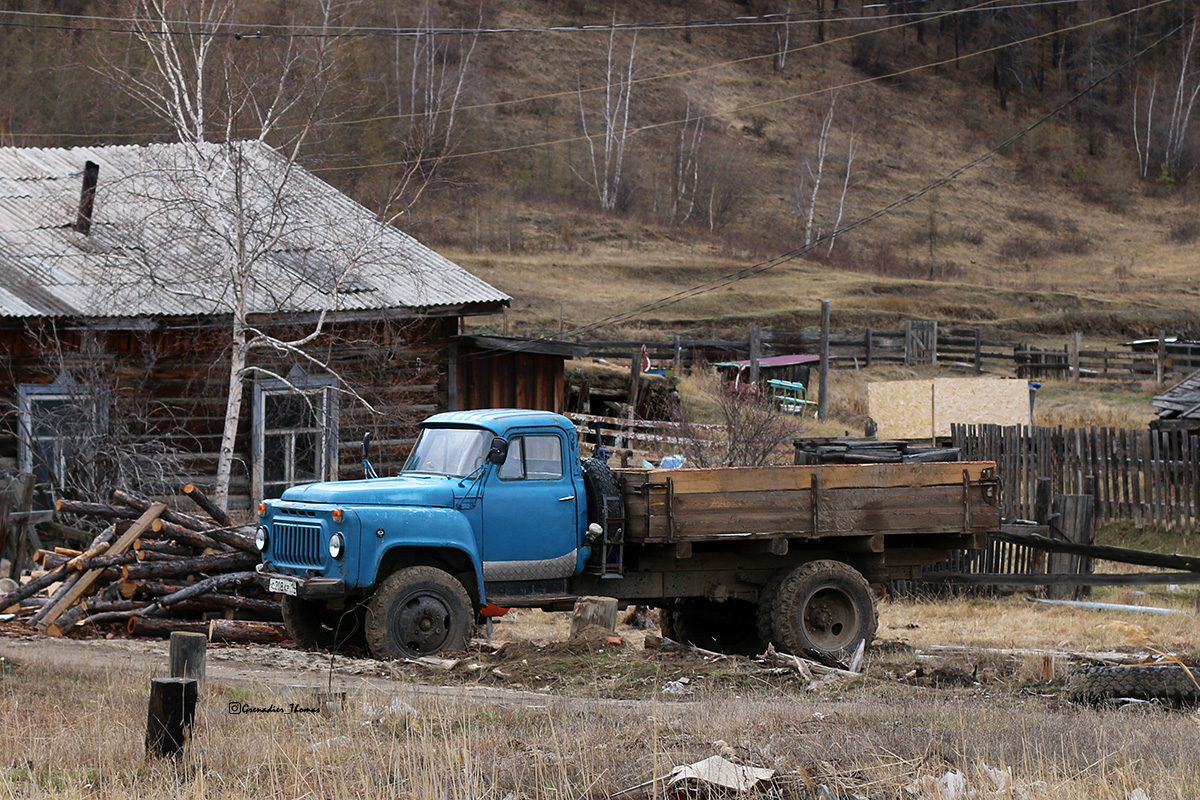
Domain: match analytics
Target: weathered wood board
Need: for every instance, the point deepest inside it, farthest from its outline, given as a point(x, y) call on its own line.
point(807, 502)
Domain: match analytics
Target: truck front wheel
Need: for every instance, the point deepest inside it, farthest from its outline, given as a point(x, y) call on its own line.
point(824, 608)
point(418, 611)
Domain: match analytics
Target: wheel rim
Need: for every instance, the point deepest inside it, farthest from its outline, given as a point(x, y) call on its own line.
point(831, 619)
point(422, 624)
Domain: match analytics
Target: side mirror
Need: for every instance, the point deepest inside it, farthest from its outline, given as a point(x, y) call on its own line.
point(498, 451)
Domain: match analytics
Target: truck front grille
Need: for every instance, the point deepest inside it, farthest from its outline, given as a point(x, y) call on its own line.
point(297, 545)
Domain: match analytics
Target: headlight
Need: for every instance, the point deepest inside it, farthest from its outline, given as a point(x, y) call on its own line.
point(260, 539)
point(336, 545)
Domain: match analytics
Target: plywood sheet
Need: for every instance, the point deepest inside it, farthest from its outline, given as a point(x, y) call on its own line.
point(921, 409)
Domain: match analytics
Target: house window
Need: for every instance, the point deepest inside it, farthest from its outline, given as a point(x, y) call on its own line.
point(535, 458)
point(61, 425)
point(295, 433)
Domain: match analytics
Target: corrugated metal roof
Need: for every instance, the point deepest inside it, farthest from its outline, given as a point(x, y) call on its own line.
point(163, 234)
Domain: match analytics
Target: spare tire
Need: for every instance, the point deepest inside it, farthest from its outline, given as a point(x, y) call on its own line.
point(1173, 682)
point(599, 482)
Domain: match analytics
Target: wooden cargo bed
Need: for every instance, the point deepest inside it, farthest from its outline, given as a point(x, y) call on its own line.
point(811, 502)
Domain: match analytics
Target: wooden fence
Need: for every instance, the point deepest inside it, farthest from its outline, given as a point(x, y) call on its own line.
point(964, 349)
point(1151, 478)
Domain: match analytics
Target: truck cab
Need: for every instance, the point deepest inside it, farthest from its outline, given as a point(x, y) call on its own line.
point(488, 502)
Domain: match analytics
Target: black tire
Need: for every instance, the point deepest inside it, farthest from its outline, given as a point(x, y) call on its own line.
point(418, 611)
point(724, 627)
point(823, 608)
point(314, 626)
point(1142, 682)
point(598, 482)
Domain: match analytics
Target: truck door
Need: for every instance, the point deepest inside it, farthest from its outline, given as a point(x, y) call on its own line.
point(531, 512)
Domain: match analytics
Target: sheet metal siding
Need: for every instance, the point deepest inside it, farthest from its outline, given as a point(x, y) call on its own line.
point(47, 269)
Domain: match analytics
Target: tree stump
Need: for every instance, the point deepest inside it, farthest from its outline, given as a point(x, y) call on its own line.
point(600, 611)
point(187, 652)
point(171, 714)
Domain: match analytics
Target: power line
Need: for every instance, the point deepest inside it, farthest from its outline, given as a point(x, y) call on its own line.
point(791, 255)
point(985, 5)
point(950, 177)
point(246, 30)
point(776, 101)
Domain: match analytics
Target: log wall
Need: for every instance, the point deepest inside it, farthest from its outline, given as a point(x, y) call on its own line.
point(169, 384)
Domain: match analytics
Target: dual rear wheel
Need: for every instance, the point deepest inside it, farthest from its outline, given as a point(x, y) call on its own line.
point(822, 608)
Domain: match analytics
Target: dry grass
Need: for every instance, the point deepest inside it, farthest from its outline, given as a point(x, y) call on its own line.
point(79, 734)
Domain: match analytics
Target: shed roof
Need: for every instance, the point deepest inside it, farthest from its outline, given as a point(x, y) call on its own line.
point(162, 239)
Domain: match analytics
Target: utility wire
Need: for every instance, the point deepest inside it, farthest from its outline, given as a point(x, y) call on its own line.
point(241, 30)
point(763, 104)
point(983, 5)
point(791, 255)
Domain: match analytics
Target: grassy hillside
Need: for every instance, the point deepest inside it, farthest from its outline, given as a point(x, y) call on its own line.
point(723, 145)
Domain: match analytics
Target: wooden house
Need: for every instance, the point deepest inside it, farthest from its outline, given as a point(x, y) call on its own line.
point(121, 269)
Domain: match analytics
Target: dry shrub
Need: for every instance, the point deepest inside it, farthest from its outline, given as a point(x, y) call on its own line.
point(1023, 248)
point(732, 425)
point(1185, 231)
point(1042, 219)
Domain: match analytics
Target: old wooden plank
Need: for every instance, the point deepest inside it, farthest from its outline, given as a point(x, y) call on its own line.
point(88, 579)
point(833, 476)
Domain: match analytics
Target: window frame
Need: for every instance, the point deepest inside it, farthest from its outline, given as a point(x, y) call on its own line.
point(63, 388)
point(327, 451)
point(517, 445)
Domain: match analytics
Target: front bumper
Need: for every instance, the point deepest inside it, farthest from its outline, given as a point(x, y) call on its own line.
point(304, 588)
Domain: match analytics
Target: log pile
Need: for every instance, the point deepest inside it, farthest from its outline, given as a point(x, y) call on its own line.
point(151, 571)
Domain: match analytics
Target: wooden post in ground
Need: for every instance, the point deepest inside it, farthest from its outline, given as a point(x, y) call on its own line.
point(1160, 363)
point(823, 396)
point(978, 352)
point(171, 714)
point(868, 340)
point(187, 652)
point(1076, 342)
point(755, 352)
point(600, 611)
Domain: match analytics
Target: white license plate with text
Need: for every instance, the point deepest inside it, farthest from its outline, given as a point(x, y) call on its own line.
point(281, 586)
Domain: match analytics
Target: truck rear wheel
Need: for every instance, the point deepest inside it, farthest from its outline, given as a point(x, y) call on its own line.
point(314, 626)
point(824, 608)
point(418, 611)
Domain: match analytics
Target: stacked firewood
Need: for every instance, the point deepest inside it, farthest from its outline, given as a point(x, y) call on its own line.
point(151, 571)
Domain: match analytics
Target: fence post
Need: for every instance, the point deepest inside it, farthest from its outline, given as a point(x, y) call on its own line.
point(870, 344)
point(822, 398)
point(1160, 367)
point(755, 352)
point(978, 352)
point(1076, 341)
point(678, 357)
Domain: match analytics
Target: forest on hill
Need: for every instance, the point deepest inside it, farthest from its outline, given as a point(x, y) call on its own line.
point(990, 161)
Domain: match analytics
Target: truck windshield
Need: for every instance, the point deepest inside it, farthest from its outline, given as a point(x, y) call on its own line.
point(449, 451)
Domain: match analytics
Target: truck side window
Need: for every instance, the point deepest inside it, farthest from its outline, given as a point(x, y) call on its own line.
point(533, 457)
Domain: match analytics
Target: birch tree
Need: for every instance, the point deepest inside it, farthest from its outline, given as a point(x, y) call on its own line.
point(685, 174)
point(230, 203)
point(1162, 138)
point(806, 192)
point(430, 77)
point(606, 146)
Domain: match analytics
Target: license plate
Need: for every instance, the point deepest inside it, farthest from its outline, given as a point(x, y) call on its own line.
point(281, 586)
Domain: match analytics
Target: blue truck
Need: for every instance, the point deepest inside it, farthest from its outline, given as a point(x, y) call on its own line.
point(495, 509)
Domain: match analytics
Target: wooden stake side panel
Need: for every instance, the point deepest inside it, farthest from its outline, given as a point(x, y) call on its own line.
point(852, 500)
